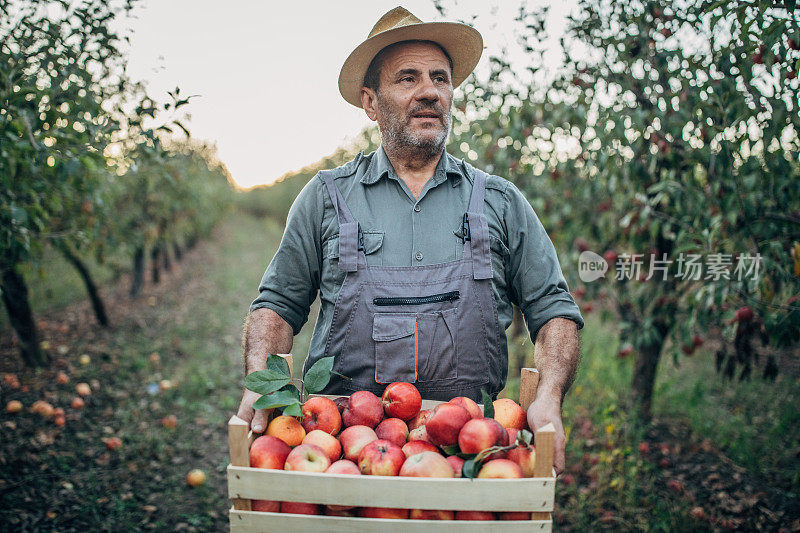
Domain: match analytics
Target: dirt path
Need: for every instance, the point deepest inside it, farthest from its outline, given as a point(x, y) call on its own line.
point(64, 479)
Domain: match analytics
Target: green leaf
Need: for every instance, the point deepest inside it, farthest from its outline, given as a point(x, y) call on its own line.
point(318, 375)
point(453, 449)
point(279, 398)
point(265, 381)
point(470, 469)
point(276, 363)
point(293, 409)
point(524, 437)
point(488, 407)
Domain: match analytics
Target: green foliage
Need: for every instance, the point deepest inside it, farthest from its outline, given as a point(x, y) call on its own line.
point(278, 392)
point(645, 144)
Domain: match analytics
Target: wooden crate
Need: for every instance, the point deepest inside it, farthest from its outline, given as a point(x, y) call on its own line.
point(535, 495)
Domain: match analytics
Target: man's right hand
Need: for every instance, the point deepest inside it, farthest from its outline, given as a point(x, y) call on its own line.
point(258, 423)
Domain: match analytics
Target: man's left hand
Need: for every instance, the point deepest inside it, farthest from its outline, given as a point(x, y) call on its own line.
point(544, 411)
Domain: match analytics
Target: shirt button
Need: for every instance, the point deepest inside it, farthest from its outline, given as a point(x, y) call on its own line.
point(418, 256)
point(417, 208)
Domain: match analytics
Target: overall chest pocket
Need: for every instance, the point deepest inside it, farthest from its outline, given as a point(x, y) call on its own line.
point(415, 347)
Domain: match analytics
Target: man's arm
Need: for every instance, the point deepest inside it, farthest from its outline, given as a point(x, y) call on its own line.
point(265, 332)
point(557, 355)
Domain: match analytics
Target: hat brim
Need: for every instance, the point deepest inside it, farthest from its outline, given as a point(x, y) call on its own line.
point(463, 43)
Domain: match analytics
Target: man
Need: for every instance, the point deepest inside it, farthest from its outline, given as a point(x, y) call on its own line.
point(417, 257)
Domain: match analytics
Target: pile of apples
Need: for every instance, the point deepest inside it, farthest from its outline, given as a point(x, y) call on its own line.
point(390, 436)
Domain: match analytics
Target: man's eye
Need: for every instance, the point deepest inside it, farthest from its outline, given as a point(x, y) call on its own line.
point(407, 78)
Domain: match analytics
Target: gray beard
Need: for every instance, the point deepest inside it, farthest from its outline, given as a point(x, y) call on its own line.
point(396, 137)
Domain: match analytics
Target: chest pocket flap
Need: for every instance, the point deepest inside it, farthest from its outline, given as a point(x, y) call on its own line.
point(373, 240)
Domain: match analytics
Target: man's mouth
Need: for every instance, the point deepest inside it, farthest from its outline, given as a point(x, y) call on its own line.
point(426, 115)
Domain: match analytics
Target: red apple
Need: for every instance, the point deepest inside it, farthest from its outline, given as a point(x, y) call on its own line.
point(474, 515)
point(472, 408)
point(393, 430)
point(266, 506)
point(744, 314)
point(457, 463)
point(414, 447)
point(269, 452)
point(383, 512)
point(343, 466)
point(307, 458)
point(510, 414)
point(430, 514)
point(300, 508)
point(329, 444)
point(381, 458)
point(427, 464)
point(514, 515)
point(500, 469)
point(341, 403)
point(512, 435)
point(525, 457)
point(419, 420)
point(354, 438)
point(445, 423)
point(420, 433)
point(481, 433)
point(363, 409)
point(401, 400)
point(321, 413)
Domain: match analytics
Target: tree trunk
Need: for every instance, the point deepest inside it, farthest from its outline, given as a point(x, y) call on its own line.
point(644, 377)
point(165, 256)
point(178, 252)
point(15, 298)
point(155, 265)
point(138, 272)
point(97, 302)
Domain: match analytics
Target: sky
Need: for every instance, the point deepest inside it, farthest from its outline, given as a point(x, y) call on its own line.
point(266, 72)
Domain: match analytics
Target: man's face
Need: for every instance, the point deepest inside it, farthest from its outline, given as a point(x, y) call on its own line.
point(414, 99)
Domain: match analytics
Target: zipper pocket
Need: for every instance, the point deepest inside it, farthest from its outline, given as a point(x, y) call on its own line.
point(418, 300)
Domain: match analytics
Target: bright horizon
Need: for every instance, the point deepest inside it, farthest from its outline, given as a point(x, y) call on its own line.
point(266, 73)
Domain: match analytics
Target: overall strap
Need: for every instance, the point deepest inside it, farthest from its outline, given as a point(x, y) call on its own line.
point(349, 230)
point(478, 228)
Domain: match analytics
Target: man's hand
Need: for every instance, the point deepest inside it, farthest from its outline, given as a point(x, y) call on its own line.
point(544, 411)
point(258, 423)
point(265, 332)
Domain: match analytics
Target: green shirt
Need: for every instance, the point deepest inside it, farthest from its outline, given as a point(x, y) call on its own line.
point(400, 230)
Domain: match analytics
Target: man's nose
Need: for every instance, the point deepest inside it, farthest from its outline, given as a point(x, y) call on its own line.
point(427, 91)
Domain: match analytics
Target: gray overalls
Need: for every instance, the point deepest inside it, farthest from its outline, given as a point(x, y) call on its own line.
point(435, 326)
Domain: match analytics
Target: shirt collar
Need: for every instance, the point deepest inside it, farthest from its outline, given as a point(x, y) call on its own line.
point(380, 166)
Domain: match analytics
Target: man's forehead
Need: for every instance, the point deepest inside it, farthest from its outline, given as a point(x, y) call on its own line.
point(404, 55)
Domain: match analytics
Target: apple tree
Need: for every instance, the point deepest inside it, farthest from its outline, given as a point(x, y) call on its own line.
point(668, 143)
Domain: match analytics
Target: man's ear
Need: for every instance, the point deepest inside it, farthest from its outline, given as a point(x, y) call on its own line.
point(368, 102)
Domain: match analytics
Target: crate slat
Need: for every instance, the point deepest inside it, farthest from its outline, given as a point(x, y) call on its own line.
point(529, 494)
point(254, 521)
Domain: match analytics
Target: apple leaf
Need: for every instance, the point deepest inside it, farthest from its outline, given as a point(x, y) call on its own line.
point(488, 407)
point(453, 449)
point(524, 437)
point(470, 469)
point(285, 396)
point(293, 409)
point(318, 375)
point(265, 381)
point(278, 364)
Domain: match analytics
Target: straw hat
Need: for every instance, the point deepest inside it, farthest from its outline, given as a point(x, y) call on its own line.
point(463, 43)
